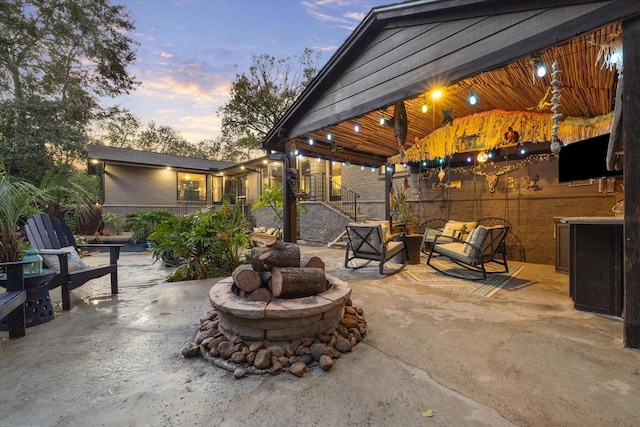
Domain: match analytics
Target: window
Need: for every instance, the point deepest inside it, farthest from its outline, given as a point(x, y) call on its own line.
point(275, 173)
point(192, 186)
point(216, 189)
point(400, 169)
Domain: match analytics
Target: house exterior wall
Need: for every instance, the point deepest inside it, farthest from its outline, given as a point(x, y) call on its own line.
point(530, 212)
point(139, 186)
point(129, 189)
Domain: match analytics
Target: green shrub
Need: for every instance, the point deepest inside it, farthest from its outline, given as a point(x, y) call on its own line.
point(143, 223)
point(210, 243)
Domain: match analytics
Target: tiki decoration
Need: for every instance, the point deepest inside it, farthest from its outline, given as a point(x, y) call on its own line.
point(292, 181)
point(492, 181)
point(556, 85)
point(511, 136)
point(400, 126)
point(447, 117)
point(334, 148)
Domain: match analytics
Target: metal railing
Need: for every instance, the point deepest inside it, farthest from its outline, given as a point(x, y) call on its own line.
point(186, 208)
point(313, 188)
point(344, 199)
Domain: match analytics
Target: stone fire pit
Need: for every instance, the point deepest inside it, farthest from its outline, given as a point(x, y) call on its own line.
point(279, 319)
point(281, 313)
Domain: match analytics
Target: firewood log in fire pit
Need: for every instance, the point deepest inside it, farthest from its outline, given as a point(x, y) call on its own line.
point(246, 278)
point(275, 254)
point(311, 261)
point(296, 282)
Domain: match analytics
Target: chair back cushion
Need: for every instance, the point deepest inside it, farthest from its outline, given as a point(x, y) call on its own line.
point(474, 241)
point(452, 229)
point(485, 241)
point(52, 261)
point(365, 238)
point(386, 230)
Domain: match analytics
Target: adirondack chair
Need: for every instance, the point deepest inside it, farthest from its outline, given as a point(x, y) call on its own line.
point(51, 237)
point(12, 301)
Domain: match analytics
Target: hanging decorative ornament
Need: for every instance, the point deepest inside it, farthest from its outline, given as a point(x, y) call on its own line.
point(556, 85)
point(441, 174)
point(492, 181)
point(400, 124)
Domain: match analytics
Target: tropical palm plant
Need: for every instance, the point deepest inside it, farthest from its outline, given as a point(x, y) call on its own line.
point(18, 201)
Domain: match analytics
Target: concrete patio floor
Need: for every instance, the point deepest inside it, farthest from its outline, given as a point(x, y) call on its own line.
point(522, 357)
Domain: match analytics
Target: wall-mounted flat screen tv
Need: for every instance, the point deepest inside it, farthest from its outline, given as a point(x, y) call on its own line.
point(585, 160)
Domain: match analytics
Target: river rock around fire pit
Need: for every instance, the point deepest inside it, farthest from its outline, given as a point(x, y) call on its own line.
point(265, 357)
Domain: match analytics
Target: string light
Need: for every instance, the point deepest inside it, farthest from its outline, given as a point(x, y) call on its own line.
point(478, 170)
point(356, 127)
point(473, 99)
point(329, 136)
point(310, 141)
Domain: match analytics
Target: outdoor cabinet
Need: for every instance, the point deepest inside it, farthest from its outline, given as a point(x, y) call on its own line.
point(596, 274)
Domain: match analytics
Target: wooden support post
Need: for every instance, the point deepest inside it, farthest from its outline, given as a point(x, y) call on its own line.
point(388, 190)
point(631, 137)
point(290, 213)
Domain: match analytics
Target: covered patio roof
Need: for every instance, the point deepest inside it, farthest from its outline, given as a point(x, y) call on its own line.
point(403, 52)
point(400, 54)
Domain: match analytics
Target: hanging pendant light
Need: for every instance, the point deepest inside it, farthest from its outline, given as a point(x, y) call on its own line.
point(482, 157)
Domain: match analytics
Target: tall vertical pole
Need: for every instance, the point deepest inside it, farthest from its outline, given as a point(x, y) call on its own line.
point(631, 135)
point(290, 214)
point(388, 190)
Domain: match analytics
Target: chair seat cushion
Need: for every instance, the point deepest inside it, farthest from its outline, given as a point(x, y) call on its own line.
point(52, 261)
point(453, 250)
point(394, 248)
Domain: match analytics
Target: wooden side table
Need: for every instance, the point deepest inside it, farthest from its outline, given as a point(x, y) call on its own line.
point(413, 242)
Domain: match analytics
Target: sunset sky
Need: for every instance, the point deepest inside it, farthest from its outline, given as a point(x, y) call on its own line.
point(191, 50)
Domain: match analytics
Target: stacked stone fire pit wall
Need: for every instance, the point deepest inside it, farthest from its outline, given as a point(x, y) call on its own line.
point(278, 319)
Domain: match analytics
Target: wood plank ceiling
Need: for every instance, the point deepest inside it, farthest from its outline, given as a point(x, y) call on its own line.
point(588, 90)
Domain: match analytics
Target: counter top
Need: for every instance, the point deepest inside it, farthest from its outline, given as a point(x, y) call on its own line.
point(593, 220)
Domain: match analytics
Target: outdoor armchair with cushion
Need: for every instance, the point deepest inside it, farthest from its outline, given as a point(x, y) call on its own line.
point(444, 231)
point(373, 242)
point(482, 245)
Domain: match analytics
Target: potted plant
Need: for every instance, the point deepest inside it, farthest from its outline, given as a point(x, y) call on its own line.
point(111, 223)
point(404, 211)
